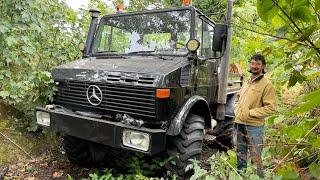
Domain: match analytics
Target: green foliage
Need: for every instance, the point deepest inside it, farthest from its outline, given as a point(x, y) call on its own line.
point(266, 9)
point(38, 35)
point(137, 167)
point(223, 166)
point(287, 32)
point(288, 172)
point(311, 100)
point(297, 134)
point(314, 169)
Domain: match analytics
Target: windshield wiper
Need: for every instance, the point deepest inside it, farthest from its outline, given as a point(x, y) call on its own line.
point(106, 51)
point(141, 52)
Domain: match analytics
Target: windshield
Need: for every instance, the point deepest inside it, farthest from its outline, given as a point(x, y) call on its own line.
point(155, 33)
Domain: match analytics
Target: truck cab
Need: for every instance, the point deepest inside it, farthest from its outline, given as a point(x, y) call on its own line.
point(148, 82)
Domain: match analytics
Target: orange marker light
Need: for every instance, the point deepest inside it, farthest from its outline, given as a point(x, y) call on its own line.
point(186, 2)
point(120, 8)
point(162, 93)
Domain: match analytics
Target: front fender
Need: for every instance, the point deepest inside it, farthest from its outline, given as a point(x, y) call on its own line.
point(193, 104)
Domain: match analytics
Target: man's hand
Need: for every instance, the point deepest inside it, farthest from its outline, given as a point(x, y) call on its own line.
point(244, 113)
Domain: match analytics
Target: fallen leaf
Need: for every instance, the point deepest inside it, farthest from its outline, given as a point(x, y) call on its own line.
point(64, 165)
point(57, 174)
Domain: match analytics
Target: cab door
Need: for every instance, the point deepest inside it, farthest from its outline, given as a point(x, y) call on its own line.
point(206, 81)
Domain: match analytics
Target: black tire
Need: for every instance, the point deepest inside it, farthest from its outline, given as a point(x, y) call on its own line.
point(82, 152)
point(224, 134)
point(185, 146)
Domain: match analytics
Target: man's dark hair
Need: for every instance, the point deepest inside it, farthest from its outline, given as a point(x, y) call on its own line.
point(259, 57)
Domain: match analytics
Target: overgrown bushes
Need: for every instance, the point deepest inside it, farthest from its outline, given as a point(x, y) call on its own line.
point(36, 35)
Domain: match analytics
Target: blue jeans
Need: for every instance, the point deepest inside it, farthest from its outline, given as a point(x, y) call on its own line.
point(249, 138)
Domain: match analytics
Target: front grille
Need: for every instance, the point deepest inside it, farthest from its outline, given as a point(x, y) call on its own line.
point(142, 80)
point(117, 98)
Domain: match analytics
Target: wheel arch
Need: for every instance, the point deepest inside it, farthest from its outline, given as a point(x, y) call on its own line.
point(195, 105)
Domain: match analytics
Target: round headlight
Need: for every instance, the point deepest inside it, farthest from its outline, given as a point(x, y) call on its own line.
point(81, 46)
point(193, 45)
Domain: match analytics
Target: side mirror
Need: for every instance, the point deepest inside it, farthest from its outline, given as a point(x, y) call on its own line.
point(220, 34)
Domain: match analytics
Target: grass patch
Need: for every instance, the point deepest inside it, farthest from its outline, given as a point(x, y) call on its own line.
point(33, 143)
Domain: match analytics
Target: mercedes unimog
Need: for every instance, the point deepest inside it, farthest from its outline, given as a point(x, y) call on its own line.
point(148, 82)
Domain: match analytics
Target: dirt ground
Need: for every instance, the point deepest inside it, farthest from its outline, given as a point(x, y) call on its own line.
point(47, 166)
point(43, 157)
point(30, 156)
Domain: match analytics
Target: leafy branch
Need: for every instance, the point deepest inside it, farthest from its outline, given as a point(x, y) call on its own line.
point(297, 27)
point(270, 35)
point(315, 11)
point(294, 147)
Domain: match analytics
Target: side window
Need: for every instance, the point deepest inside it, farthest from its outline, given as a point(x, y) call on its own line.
point(198, 35)
point(204, 33)
point(207, 40)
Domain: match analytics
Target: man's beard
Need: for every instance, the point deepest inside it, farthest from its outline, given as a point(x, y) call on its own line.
point(254, 73)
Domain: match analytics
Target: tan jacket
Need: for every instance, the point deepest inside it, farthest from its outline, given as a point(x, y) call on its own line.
point(256, 102)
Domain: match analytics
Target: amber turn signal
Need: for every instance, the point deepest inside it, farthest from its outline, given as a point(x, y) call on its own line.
point(186, 2)
point(162, 93)
point(120, 7)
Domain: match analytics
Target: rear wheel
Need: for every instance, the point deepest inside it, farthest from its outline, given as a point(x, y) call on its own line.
point(185, 146)
point(82, 152)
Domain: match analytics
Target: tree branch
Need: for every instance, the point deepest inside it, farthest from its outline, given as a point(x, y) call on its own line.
point(270, 35)
point(232, 168)
point(288, 23)
point(314, 10)
point(252, 23)
point(299, 142)
point(3, 135)
point(296, 26)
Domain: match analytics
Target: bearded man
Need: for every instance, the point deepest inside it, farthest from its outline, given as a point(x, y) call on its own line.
point(256, 101)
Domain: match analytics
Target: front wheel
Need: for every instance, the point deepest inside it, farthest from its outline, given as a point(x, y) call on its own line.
point(187, 145)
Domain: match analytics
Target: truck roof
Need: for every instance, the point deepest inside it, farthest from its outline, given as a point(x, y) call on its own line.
point(191, 8)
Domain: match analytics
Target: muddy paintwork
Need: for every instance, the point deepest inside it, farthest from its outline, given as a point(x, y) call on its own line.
point(98, 70)
point(178, 121)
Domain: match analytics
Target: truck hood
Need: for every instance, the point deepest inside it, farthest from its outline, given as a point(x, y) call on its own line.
point(130, 69)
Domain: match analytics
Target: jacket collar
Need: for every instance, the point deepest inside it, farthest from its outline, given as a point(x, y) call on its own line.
point(255, 79)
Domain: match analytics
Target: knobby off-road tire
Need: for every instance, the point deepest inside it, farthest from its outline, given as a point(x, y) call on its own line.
point(224, 134)
point(82, 152)
point(185, 146)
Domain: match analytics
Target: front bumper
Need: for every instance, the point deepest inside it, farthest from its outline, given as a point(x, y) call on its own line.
point(101, 131)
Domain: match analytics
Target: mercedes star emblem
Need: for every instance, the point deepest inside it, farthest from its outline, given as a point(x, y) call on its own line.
point(94, 95)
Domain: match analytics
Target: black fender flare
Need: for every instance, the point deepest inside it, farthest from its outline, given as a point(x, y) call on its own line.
point(195, 104)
